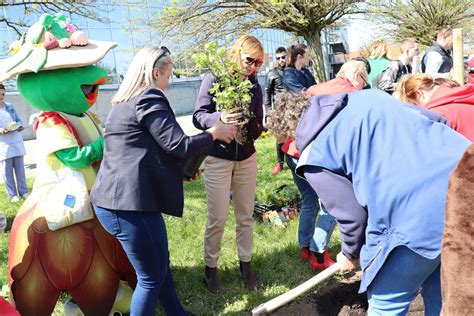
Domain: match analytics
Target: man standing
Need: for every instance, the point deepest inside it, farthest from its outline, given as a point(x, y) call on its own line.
point(437, 61)
point(273, 87)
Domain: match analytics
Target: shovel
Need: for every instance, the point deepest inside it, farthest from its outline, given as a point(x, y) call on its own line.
point(297, 291)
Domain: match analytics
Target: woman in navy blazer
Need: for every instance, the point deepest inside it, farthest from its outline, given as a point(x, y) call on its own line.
point(141, 175)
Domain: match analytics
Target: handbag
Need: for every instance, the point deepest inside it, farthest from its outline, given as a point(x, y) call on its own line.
point(64, 198)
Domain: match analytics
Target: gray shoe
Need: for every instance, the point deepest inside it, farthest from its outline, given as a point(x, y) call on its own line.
point(15, 199)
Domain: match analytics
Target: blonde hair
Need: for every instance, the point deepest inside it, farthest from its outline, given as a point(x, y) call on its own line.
point(351, 67)
point(246, 44)
point(379, 48)
point(139, 74)
point(409, 85)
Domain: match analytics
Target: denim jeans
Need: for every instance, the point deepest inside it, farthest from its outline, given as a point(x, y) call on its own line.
point(10, 165)
point(144, 240)
point(398, 281)
point(313, 232)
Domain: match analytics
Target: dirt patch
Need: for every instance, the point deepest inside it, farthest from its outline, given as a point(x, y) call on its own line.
point(338, 298)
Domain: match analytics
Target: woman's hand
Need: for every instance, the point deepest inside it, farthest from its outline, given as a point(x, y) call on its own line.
point(231, 117)
point(4, 130)
point(223, 132)
point(346, 263)
point(197, 175)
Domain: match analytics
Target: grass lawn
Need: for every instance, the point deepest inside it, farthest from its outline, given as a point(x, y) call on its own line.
point(275, 256)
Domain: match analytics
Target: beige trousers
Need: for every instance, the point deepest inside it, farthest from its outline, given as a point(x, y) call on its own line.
point(222, 177)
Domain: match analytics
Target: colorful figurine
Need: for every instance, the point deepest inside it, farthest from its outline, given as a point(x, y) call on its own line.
point(82, 258)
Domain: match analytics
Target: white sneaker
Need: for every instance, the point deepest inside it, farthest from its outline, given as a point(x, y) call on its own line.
point(15, 199)
point(24, 196)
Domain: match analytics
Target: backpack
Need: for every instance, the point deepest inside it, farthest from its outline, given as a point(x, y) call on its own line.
point(402, 70)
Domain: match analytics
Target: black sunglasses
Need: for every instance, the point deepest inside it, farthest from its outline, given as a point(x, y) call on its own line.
point(252, 61)
point(164, 51)
point(280, 57)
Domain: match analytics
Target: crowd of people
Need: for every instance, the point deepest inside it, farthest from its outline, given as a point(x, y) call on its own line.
point(374, 163)
point(380, 166)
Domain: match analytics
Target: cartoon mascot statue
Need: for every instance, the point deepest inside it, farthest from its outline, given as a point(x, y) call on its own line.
point(56, 243)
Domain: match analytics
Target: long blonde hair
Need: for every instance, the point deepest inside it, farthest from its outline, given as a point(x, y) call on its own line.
point(246, 44)
point(139, 74)
point(409, 85)
point(379, 48)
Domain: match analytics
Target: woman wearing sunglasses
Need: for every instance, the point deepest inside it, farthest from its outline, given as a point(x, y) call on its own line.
point(231, 167)
point(141, 175)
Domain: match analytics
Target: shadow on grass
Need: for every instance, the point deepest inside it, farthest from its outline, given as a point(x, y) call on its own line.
point(277, 272)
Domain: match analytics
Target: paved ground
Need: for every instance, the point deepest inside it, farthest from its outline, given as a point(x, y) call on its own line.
point(30, 145)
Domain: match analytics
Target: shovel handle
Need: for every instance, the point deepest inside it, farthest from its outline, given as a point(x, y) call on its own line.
point(297, 291)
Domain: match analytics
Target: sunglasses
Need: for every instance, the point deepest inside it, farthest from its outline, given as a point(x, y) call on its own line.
point(364, 80)
point(252, 61)
point(280, 57)
point(164, 51)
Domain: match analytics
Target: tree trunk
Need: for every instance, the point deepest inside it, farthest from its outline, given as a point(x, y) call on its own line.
point(314, 44)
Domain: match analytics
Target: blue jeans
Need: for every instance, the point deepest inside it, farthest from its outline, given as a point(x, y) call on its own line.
point(398, 281)
point(8, 166)
point(312, 233)
point(144, 240)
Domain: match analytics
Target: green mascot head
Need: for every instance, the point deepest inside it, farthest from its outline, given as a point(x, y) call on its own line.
point(54, 62)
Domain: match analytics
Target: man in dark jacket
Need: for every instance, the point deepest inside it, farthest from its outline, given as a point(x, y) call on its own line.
point(437, 61)
point(273, 87)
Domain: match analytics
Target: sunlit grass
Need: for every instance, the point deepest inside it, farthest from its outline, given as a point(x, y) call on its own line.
point(275, 256)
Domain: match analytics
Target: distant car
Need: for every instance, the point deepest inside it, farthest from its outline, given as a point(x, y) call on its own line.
point(470, 67)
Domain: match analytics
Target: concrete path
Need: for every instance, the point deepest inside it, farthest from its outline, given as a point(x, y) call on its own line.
point(30, 158)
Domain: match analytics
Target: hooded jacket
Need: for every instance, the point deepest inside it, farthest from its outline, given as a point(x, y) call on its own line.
point(336, 85)
point(381, 168)
point(457, 106)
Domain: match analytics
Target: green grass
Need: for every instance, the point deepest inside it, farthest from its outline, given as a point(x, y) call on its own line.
point(275, 256)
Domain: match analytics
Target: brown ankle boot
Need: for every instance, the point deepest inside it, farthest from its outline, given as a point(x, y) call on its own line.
point(211, 278)
point(247, 275)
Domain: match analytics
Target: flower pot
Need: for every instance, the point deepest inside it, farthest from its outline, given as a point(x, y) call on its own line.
point(192, 164)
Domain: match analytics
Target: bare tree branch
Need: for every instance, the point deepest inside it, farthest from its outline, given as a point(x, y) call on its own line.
point(200, 21)
point(422, 18)
point(78, 8)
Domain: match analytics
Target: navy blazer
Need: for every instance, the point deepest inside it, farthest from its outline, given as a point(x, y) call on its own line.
point(144, 149)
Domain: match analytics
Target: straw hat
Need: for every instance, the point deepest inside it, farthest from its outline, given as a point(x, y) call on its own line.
point(52, 43)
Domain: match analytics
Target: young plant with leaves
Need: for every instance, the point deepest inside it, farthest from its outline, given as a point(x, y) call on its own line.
point(232, 88)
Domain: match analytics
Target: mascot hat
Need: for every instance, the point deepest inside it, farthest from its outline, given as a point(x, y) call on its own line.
point(52, 43)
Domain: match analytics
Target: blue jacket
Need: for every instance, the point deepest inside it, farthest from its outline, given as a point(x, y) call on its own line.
point(144, 150)
point(297, 80)
point(11, 110)
point(205, 116)
point(381, 168)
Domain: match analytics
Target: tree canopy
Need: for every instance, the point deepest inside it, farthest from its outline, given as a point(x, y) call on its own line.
point(421, 19)
point(18, 24)
point(201, 21)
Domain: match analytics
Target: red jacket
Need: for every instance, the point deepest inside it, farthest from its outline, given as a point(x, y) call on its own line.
point(457, 106)
point(336, 85)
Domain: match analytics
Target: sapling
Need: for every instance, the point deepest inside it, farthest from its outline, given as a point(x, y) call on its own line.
point(231, 91)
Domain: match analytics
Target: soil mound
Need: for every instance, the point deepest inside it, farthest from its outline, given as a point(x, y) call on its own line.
point(338, 298)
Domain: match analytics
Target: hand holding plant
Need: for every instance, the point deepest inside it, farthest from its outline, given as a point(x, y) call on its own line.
point(231, 92)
